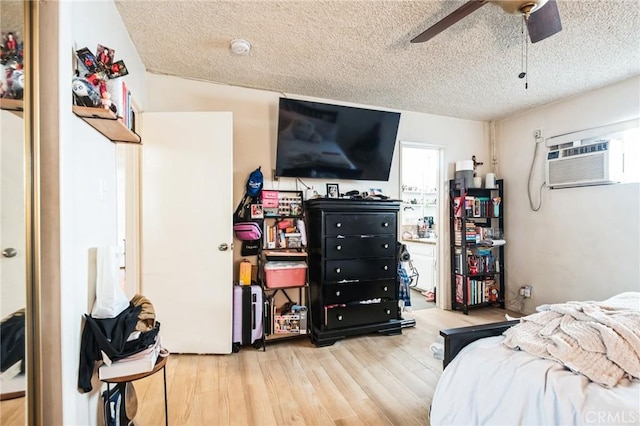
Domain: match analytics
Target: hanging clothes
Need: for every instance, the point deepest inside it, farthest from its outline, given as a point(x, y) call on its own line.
point(404, 292)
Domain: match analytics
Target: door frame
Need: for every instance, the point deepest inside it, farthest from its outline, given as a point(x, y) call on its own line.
point(442, 294)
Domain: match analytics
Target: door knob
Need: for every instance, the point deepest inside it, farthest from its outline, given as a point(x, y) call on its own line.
point(338, 248)
point(223, 247)
point(337, 270)
point(386, 267)
point(9, 252)
point(338, 225)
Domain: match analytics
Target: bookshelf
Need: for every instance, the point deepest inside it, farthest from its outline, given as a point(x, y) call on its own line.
point(106, 122)
point(284, 258)
point(477, 246)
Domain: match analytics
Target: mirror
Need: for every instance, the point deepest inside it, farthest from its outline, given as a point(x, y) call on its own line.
point(14, 255)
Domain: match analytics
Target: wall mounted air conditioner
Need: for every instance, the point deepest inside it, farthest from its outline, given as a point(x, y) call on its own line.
point(573, 164)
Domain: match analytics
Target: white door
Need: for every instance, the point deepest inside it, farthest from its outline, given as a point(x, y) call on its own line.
point(12, 208)
point(187, 207)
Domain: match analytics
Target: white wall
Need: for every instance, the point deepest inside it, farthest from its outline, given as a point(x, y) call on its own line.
point(255, 118)
point(87, 187)
point(584, 243)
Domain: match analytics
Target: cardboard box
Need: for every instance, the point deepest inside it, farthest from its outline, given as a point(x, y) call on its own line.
point(286, 324)
point(293, 323)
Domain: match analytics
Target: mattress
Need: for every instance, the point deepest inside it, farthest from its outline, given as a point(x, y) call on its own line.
point(489, 384)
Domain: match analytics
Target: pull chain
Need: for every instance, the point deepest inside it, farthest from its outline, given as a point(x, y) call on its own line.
point(524, 57)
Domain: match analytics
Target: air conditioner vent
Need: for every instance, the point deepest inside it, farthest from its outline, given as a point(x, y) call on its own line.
point(594, 164)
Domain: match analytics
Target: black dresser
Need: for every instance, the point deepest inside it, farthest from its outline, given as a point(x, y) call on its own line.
point(353, 279)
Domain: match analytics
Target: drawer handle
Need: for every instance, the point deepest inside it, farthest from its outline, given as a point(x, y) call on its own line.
point(338, 225)
point(338, 248)
point(385, 246)
point(385, 267)
point(338, 293)
point(385, 288)
point(388, 311)
point(385, 225)
point(337, 270)
point(339, 317)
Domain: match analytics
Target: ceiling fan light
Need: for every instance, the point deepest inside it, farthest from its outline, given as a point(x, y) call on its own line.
point(515, 7)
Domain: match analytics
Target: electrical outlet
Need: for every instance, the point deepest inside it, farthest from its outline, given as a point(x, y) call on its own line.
point(537, 133)
point(521, 291)
point(273, 174)
point(527, 291)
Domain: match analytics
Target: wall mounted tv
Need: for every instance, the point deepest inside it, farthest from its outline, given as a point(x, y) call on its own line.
point(317, 140)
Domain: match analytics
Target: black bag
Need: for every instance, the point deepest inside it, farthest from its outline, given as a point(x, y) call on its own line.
point(120, 405)
point(251, 248)
point(12, 341)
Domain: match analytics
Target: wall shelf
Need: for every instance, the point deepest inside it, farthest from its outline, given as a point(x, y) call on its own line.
point(15, 106)
point(106, 122)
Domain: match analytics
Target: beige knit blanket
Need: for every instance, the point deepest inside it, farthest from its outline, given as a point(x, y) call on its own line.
point(600, 340)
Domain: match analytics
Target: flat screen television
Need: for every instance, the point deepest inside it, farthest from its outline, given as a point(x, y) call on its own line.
point(317, 140)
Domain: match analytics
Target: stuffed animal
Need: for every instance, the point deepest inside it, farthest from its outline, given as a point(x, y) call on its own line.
point(301, 129)
point(84, 93)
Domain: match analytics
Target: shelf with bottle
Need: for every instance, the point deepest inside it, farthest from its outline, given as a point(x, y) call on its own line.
point(428, 203)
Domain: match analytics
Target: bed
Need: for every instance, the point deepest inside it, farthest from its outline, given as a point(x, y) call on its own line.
point(487, 383)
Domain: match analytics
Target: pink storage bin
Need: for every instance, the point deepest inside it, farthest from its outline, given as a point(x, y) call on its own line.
point(285, 274)
point(269, 198)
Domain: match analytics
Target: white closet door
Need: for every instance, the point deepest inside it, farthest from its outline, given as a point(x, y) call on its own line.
point(187, 207)
point(13, 266)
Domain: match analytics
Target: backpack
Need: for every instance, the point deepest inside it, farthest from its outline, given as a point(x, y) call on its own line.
point(254, 183)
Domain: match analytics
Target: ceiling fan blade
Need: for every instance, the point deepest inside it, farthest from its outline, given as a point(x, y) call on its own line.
point(449, 20)
point(544, 22)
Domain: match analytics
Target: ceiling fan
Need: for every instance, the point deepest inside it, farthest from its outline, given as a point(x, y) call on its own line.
point(542, 17)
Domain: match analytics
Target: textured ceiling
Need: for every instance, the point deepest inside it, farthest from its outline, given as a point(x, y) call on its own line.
point(359, 51)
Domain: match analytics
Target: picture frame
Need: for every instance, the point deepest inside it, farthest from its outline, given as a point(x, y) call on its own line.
point(333, 191)
point(257, 211)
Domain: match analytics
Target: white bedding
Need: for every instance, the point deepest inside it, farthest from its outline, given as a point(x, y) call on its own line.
point(489, 384)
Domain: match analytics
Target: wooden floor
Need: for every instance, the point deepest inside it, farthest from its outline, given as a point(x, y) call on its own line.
point(372, 380)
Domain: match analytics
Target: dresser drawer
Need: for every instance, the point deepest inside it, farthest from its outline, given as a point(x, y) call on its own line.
point(348, 316)
point(357, 247)
point(360, 224)
point(360, 269)
point(349, 292)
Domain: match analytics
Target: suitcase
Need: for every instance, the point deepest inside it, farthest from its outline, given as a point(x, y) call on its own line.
point(247, 317)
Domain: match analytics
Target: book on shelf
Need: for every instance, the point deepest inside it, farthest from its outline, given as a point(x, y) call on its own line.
point(478, 291)
point(141, 362)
